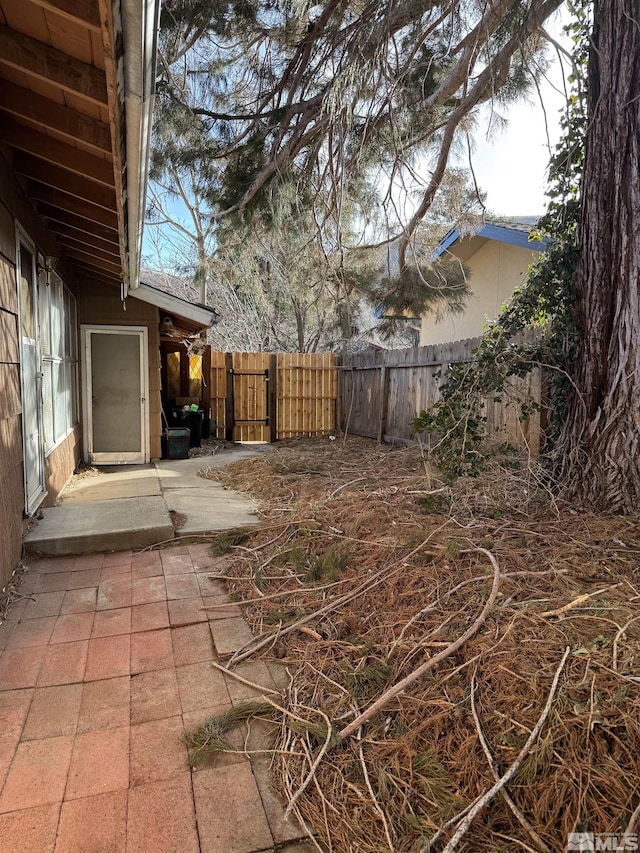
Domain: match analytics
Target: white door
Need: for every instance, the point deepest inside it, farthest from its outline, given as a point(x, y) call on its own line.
point(30, 375)
point(116, 422)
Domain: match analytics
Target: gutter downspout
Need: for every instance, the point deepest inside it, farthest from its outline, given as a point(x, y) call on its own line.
point(140, 21)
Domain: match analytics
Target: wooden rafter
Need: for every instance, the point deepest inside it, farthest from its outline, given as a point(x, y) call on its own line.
point(59, 217)
point(84, 12)
point(110, 39)
point(91, 261)
point(60, 179)
point(89, 247)
point(58, 153)
point(76, 206)
point(40, 60)
point(22, 103)
point(96, 274)
point(86, 235)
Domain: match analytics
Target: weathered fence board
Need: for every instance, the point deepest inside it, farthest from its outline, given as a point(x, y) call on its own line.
point(262, 397)
point(381, 393)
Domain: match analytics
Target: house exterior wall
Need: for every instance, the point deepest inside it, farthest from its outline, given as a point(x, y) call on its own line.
point(59, 465)
point(496, 270)
point(100, 304)
point(11, 485)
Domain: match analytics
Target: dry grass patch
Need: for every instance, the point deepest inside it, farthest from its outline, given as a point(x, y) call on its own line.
point(365, 568)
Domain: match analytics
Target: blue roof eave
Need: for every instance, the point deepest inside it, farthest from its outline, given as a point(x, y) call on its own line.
point(500, 233)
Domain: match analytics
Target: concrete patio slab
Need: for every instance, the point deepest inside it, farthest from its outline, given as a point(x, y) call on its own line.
point(209, 509)
point(78, 528)
point(204, 503)
point(183, 473)
point(124, 507)
point(114, 483)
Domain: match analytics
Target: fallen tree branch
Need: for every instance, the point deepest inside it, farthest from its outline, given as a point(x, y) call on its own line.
point(402, 685)
point(264, 640)
point(316, 763)
point(486, 798)
point(503, 791)
point(631, 826)
point(378, 808)
point(260, 688)
point(617, 638)
point(560, 611)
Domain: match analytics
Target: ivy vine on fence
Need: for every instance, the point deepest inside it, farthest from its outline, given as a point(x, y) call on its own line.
point(545, 302)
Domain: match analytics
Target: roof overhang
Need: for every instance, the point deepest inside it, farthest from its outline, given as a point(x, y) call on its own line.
point(140, 20)
point(76, 101)
point(198, 316)
point(489, 231)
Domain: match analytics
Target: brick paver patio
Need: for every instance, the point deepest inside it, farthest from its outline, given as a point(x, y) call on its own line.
point(104, 662)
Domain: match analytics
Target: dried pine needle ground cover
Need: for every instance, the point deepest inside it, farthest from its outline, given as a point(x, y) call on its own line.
point(520, 617)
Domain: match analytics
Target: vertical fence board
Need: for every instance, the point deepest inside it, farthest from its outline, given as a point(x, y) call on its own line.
point(218, 392)
point(402, 383)
point(299, 398)
point(307, 390)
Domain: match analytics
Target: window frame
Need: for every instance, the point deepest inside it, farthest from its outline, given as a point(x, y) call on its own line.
point(66, 359)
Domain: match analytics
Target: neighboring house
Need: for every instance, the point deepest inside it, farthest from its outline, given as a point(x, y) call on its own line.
point(498, 257)
point(80, 339)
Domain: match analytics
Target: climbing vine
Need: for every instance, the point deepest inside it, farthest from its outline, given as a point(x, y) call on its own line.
point(545, 303)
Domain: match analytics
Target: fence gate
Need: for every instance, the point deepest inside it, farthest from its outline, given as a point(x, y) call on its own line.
point(247, 398)
point(262, 397)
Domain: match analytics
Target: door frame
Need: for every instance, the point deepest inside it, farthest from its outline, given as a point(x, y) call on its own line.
point(115, 458)
point(31, 502)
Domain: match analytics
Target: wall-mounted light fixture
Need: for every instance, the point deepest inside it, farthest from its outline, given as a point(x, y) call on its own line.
point(46, 269)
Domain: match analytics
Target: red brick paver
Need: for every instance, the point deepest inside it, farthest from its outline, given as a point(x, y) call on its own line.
point(103, 665)
point(96, 823)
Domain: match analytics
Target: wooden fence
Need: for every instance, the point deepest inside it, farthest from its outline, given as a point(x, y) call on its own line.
point(262, 397)
point(380, 394)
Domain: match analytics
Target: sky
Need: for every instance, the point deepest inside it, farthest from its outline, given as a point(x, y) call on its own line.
point(509, 163)
point(511, 166)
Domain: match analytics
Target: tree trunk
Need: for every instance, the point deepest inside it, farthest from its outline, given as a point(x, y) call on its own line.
point(200, 276)
point(601, 465)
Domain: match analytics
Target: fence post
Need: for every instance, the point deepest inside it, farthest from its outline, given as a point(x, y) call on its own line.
point(229, 412)
point(339, 390)
point(384, 394)
point(273, 397)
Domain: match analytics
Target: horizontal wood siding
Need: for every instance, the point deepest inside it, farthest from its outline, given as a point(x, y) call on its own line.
point(11, 476)
point(14, 208)
point(381, 393)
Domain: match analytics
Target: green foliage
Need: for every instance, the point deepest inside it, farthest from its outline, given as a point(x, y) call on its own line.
point(330, 565)
point(225, 542)
point(431, 776)
point(289, 134)
point(370, 680)
point(545, 303)
point(438, 504)
point(425, 287)
point(209, 740)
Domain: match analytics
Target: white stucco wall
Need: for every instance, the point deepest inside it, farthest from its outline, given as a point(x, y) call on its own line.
point(496, 269)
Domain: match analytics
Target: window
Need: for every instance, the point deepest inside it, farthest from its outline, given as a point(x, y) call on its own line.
point(59, 354)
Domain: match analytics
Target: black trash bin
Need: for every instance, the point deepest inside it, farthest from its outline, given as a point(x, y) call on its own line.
point(195, 420)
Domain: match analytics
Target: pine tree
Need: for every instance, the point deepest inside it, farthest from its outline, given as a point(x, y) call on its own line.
point(600, 445)
point(346, 103)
